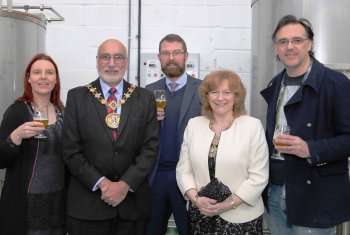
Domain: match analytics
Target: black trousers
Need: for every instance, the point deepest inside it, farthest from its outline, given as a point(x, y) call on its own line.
point(115, 226)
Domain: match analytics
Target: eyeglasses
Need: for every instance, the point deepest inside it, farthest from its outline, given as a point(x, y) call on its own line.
point(294, 41)
point(105, 58)
point(166, 54)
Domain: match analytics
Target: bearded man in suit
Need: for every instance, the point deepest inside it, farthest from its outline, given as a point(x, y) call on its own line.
point(181, 91)
point(110, 144)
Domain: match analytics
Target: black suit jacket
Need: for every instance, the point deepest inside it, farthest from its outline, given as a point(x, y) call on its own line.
point(90, 152)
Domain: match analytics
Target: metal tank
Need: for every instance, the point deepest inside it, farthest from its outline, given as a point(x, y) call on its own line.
point(22, 36)
point(330, 21)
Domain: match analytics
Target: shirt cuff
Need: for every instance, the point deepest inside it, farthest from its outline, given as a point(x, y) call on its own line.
point(96, 185)
point(309, 160)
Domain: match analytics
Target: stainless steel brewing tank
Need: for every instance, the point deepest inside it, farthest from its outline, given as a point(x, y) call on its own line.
point(22, 36)
point(330, 21)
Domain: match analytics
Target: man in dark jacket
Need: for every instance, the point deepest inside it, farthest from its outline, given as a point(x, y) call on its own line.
point(110, 145)
point(182, 103)
point(309, 190)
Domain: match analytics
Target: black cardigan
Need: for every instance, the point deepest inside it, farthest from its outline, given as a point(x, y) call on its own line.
point(17, 160)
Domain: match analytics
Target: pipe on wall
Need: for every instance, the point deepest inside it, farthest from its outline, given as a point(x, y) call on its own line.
point(58, 17)
point(129, 41)
point(138, 77)
point(9, 5)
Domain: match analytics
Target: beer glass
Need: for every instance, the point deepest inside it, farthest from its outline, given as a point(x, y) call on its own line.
point(280, 130)
point(160, 98)
point(41, 115)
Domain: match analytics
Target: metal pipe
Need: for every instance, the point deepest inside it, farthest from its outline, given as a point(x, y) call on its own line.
point(9, 5)
point(138, 77)
point(41, 8)
point(129, 41)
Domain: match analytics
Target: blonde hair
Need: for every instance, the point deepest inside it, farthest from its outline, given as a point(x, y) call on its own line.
point(212, 81)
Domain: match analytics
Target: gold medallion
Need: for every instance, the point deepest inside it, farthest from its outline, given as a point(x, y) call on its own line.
point(112, 120)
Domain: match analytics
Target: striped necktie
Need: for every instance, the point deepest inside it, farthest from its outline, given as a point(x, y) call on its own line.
point(173, 86)
point(112, 97)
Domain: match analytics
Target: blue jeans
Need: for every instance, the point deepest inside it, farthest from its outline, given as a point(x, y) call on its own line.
point(277, 217)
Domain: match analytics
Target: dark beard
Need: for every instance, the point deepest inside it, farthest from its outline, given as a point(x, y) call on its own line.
point(173, 72)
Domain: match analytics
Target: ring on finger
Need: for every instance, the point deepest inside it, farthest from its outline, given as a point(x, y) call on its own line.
point(290, 147)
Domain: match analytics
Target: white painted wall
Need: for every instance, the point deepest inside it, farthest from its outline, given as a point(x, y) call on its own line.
point(220, 30)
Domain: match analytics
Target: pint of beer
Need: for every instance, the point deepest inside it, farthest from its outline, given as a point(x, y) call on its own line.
point(279, 130)
point(160, 98)
point(40, 114)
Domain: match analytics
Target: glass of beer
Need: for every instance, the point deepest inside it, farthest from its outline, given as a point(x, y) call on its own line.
point(280, 130)
point(160, 98)
point(41, 115)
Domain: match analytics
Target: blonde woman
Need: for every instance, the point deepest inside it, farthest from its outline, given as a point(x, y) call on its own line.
point(226, 144)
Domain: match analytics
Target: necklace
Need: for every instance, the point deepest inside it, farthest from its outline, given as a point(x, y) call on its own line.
point(227, 127)
point(215, 142)
point(214, 146)
point(113, 118)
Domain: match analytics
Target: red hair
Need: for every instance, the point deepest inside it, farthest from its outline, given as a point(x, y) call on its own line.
point(28, 94)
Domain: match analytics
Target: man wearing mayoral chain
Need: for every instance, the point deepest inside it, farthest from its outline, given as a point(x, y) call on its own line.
point(110, 144)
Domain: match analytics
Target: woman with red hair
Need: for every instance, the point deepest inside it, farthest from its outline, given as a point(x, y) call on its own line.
point(32, 199)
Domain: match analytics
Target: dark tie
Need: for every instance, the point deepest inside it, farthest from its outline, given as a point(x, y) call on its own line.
point(112, 97)
point(173, 86)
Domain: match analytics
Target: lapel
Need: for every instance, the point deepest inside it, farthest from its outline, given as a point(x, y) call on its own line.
point(270, 94)
point(313, 81)
point(161, 84)
point(126, 109)
point(190, 89)
point(296, 98)
point(101, 109)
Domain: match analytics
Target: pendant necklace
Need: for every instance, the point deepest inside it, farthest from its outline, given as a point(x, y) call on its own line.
point(113, 118)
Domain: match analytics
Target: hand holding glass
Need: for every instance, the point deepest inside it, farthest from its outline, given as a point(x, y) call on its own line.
point(160, 98)
point(41, 115)
point(280, 130)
